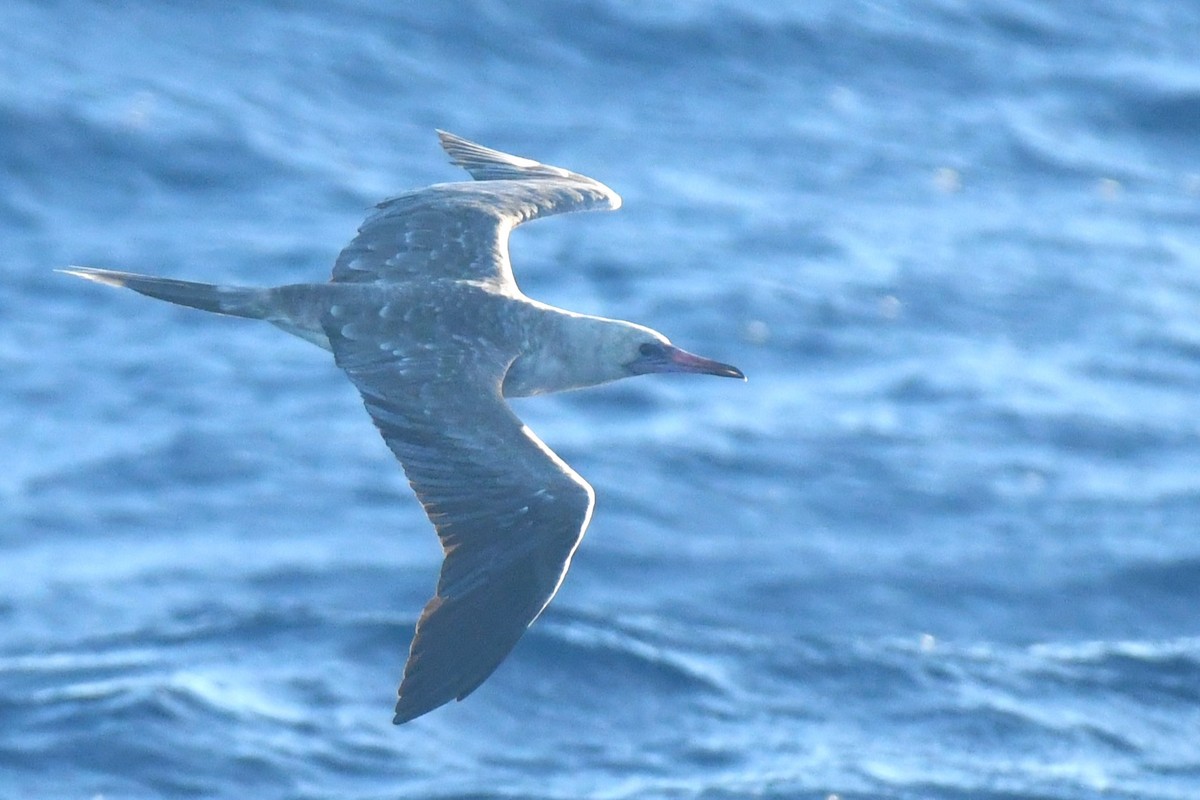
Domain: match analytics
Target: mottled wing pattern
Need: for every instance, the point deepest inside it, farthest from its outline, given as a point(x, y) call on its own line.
point(508, 511)
point(460, 230)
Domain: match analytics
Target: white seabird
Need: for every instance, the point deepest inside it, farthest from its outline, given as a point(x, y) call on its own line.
point(424, 315)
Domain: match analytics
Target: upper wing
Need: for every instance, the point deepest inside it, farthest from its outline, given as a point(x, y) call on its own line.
point(508, 511)
point(460, 230)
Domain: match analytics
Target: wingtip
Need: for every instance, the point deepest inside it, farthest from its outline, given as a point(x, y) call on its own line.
point(409, 706)
point(107, 277)
point(457, 146)
point(401, 714)
point(407, 712)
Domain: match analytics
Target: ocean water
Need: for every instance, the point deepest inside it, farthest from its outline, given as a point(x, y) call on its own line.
point(943, 544)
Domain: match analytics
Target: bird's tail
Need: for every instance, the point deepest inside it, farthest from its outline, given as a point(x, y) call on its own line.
point(234, 300)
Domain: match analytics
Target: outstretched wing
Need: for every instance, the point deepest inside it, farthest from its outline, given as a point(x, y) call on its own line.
point(460, 230)
point(508, 511)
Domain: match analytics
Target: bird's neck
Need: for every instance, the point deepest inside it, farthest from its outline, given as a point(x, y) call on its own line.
point(564, 351)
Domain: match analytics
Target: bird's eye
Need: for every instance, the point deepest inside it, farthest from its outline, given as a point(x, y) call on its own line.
point(649, 349)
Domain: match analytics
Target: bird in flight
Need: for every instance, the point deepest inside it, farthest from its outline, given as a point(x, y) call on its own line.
point(424, 316)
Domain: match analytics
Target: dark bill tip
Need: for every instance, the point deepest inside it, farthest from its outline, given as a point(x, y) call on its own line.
point(678, 360)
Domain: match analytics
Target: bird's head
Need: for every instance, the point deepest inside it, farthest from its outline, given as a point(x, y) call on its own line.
point(588, 351)
point(649, 351)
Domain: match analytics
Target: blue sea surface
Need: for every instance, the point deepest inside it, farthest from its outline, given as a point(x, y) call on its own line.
point(945, 543)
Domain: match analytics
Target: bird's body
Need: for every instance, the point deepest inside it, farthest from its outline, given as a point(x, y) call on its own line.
point(424, 316)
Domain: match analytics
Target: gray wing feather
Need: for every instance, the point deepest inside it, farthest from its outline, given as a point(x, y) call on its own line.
point(486, 164)
point(460, 230)
point(508, 511)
